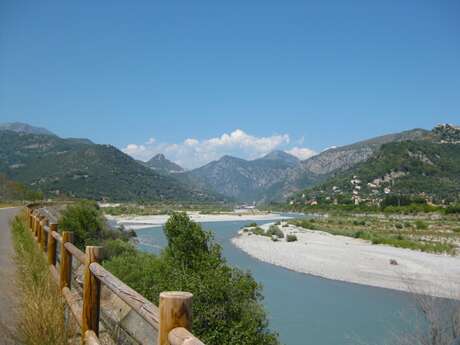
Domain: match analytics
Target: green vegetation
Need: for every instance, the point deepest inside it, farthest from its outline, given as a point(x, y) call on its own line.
point(79, 168)
point(291, 238)
point(427, 235)
point(226, 308)
point(14, 191)
point(274, 230)
point(166, 208)
point(405, 174)
point(41, 316)
point(86, 221)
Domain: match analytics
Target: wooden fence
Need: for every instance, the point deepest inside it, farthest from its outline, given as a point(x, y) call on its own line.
point(172, 319)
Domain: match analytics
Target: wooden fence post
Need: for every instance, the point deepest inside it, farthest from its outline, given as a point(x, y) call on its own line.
point(35, 225)
point(44, 223)
point(66, 261)
point(52, 245)
point(175, 311)
point(91, 292)
point(39, 230)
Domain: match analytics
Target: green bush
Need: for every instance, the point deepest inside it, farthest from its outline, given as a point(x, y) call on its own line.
point(113, 248)
point(258, 231)
point(85, 220)
point(453, 209)
point(274, 230)
point(421, 225)
point(251, 225)
point(291, 238)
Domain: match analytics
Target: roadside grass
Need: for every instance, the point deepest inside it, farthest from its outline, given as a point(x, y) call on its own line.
point(41, 308)
point(407, 235)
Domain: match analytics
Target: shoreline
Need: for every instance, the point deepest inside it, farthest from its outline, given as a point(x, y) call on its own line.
point(356, 261)
point(142, 222)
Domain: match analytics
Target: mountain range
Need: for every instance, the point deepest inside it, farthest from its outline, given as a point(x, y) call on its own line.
point(79, 168)
point(427, 166)
point(277, 175)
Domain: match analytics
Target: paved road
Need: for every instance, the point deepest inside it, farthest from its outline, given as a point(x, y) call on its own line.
point(8, 291)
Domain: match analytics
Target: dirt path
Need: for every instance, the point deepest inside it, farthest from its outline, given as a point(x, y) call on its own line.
point(8, 290)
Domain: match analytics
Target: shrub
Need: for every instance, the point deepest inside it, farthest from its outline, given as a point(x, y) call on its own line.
point(117, 247)
point(421, 225)
point(258, 231)
point(251, 225)
point(359, 222)
point(291, 238)
point(86, 221)
point(274, 230)
point(452, 209)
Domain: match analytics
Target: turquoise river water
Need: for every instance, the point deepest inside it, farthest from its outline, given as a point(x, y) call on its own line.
point(310, 310)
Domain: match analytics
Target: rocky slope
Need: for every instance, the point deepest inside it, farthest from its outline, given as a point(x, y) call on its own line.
point(427, 167)
point(244, 180)
point(161, 164)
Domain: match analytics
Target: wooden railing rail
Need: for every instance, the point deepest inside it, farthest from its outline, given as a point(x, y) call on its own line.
point(172, 319)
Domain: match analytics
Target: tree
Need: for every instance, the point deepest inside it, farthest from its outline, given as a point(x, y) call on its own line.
point(86, 221)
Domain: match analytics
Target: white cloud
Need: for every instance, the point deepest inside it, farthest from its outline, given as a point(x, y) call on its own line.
point(301, 152)
point(192, 152)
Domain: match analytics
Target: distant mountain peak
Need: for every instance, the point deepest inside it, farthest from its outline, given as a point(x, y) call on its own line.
point(280, 155)
point(20, 127)
point(160, 163)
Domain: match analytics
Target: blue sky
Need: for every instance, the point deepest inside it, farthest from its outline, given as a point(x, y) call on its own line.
point(321, 73)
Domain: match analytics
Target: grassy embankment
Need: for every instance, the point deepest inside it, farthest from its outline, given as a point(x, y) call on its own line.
point(428, 234)
point(41, 314)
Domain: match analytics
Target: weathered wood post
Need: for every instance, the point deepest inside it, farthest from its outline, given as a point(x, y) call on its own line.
point(35, 225)
point(66, 261)
point(52, 245)
point(39, 229)
point(43, 238)
point(175, 311)
point(91, 292)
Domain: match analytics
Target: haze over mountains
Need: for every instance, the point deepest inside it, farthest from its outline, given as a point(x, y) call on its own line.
point(80, 168)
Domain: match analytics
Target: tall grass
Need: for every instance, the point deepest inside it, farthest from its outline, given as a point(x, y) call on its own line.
point(41, 309)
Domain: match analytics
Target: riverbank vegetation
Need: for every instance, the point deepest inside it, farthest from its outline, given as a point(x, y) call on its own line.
point(41, 313)
point(440, 234)
point(227, 305)
point(165, 208)
point(87, 222)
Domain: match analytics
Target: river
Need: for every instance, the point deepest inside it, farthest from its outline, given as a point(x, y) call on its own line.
point(310, 310)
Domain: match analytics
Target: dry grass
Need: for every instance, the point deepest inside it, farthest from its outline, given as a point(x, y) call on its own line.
point(41, 318)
